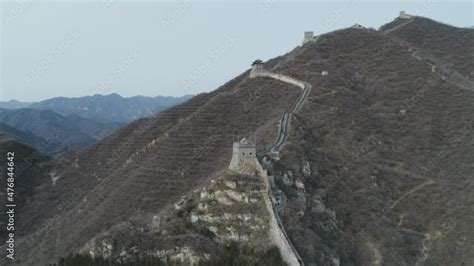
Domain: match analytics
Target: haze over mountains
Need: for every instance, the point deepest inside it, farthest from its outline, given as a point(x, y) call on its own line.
point(59, 125)
point(14, 104)
point(377, 168)
point(111, 108)
point(52, 133)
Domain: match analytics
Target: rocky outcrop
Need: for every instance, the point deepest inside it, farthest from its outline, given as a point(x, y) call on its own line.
point(247, 166)
point(232, 208)
point(320, 239)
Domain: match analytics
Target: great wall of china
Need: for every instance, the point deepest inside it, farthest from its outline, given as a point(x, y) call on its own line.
point(278, 234)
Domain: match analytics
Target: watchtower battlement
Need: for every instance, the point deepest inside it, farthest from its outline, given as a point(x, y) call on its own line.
point(404, 15)
point(244, 156)
point(358, 26)
point(309, 37)
point(245, 148)
point(257, 67)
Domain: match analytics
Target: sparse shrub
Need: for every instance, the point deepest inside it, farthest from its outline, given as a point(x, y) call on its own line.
point(203, 230)
point(85, 260)
point(235, 255)
point(229, 255)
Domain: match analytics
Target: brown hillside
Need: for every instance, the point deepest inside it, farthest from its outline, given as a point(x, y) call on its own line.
point(453, 46)
point(126, 175)
point(28, 174)
point(390, 146)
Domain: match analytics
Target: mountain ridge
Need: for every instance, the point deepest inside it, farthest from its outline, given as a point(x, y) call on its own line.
point(117, 108)
point(61, 125)
point(54, 133)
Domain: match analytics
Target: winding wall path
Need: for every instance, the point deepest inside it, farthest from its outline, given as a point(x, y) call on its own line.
point(462, 82)
point(277, 230)
point(286, 117)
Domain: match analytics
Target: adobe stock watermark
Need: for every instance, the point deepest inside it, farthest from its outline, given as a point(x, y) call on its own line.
point(10, 205)
point(108, 3)
point(47, 225)
point(264, 6)
point(117, 72)
point(50, 59)
point(335, 16)
point(216, 54)
point(177, 12)
point(20, 7)
point(427, 6)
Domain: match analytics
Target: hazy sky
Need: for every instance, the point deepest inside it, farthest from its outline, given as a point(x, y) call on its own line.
point(72, 48)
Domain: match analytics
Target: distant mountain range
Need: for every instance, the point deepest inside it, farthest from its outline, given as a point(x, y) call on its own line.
point(52, 133)
point(61, 125)
point(14, 104)
point(111, 108)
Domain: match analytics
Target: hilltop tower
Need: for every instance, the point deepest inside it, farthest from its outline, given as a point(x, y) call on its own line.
point(257, 67)
point(357, 26)
point(244, 156)
point(404, 15)
point(308, 37)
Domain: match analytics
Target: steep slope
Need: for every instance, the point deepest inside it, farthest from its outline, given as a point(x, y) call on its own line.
point(384, 150)
point(148, 165)
point(449, 45)
point(29, 173)
point(111, 108)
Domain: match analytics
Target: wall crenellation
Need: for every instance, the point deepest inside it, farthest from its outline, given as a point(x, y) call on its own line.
point(309, 37)
point(404, 15)
point(244, 157)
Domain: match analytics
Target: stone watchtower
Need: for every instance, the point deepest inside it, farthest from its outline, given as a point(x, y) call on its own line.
point(257, 67)
point(357, 26)
point(244, 149)
point(244, 156)
point(308, 37)
point(404, 15)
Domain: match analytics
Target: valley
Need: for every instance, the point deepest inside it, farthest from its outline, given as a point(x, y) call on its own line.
point(63, 125)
